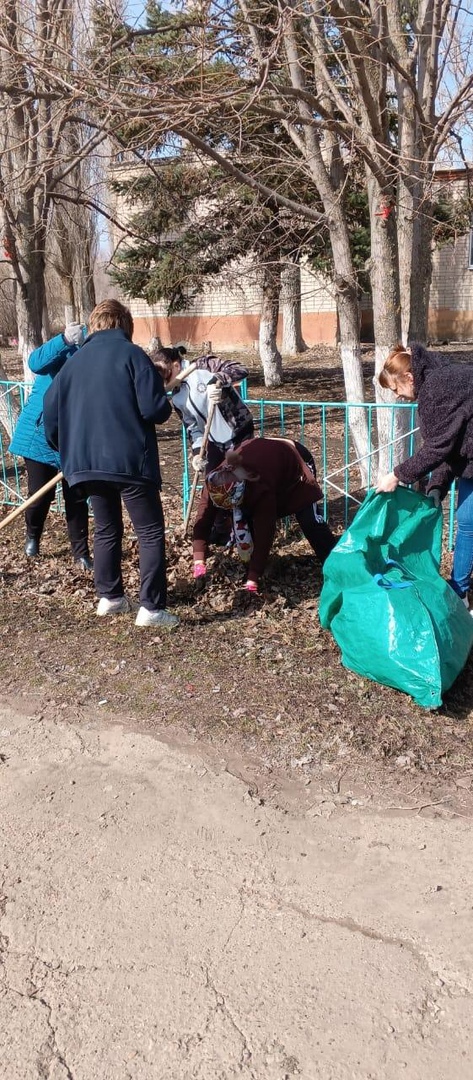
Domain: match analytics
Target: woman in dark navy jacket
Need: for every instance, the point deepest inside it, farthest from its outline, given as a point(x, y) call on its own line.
point(42, 463)
point(101, 415)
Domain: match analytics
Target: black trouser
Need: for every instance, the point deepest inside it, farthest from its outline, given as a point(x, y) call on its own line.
point(316, 531)
point(143, 504)
point(306, 456)
point(75, 502)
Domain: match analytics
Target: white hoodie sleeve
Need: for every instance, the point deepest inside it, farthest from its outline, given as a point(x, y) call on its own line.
point(191, 403)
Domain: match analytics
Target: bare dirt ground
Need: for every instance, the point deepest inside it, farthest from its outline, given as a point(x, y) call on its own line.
point(222, 854)
point(258, 680)
point(159, 920)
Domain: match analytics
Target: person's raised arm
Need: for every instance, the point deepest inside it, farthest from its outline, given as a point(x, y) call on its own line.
point(49, 358)
point(194, 420)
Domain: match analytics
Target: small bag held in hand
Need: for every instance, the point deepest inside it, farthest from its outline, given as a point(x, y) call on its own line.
point(396, 620)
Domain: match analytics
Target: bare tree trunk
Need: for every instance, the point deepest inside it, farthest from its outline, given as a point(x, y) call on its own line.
point(414, 234)
point(384, 274)
point(417, 89)
point(292, 340)
point(421, 279)
point(269, 353)
point(348, 308)
point(37, 153)
point(87, 296)
point(350, 354)
point(405, 233)
point(84, 285)
point(29, 302)
point(46, 327)
point(328, 174)
point(405, 207)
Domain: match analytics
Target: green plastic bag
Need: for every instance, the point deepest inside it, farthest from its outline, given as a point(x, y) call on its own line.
point(396, 620)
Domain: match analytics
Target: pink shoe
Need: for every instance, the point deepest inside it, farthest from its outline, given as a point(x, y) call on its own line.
point(200, 570)
point(251, 586)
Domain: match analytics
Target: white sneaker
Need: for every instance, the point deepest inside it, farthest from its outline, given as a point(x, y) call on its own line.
point(118, 606)
point(466, 601)
point(156, 618)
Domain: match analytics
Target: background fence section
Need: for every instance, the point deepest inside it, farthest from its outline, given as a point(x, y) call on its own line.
point(13, 492)
point(323, 426)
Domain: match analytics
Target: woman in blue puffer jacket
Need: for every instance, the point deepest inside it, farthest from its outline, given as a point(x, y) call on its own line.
point(41, 462)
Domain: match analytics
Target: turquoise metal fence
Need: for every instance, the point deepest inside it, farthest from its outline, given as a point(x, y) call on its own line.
point(13, 396)
point(323, 426)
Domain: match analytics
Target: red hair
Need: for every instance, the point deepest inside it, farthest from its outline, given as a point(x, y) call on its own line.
point(397, 364)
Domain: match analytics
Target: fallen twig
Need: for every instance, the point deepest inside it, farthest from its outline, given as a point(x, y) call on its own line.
point(423, 806)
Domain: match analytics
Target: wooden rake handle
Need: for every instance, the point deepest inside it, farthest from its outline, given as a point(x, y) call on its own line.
point(29, 502)
point(55, 480)
point(203, 449)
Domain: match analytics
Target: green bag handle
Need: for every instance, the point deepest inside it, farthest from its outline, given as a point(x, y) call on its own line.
point(385, 583)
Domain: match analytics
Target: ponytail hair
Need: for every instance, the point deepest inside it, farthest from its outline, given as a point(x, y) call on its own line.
point(397, 364)
point(164, 357)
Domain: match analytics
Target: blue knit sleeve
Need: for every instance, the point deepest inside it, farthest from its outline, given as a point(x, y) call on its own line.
point(49, 358)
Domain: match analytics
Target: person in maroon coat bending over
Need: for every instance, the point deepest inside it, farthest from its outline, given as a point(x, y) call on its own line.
point(262, 481)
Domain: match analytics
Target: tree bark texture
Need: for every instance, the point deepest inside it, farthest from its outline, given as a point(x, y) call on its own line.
point(270, 356)
point(292, 340)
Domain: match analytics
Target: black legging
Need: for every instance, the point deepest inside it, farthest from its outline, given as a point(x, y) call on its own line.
point(316, 531)
point(306, 457)
point(75, 502)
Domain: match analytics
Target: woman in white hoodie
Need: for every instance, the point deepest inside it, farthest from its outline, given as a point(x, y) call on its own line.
point(232, 424)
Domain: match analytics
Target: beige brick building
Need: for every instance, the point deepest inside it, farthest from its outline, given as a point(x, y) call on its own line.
point(227, 314)
point(451, 294)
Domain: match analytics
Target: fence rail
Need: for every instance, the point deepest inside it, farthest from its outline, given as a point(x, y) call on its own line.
point(323, 426)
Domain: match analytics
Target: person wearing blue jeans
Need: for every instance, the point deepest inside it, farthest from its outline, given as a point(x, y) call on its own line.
point(463, 553)
point(444, 395)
